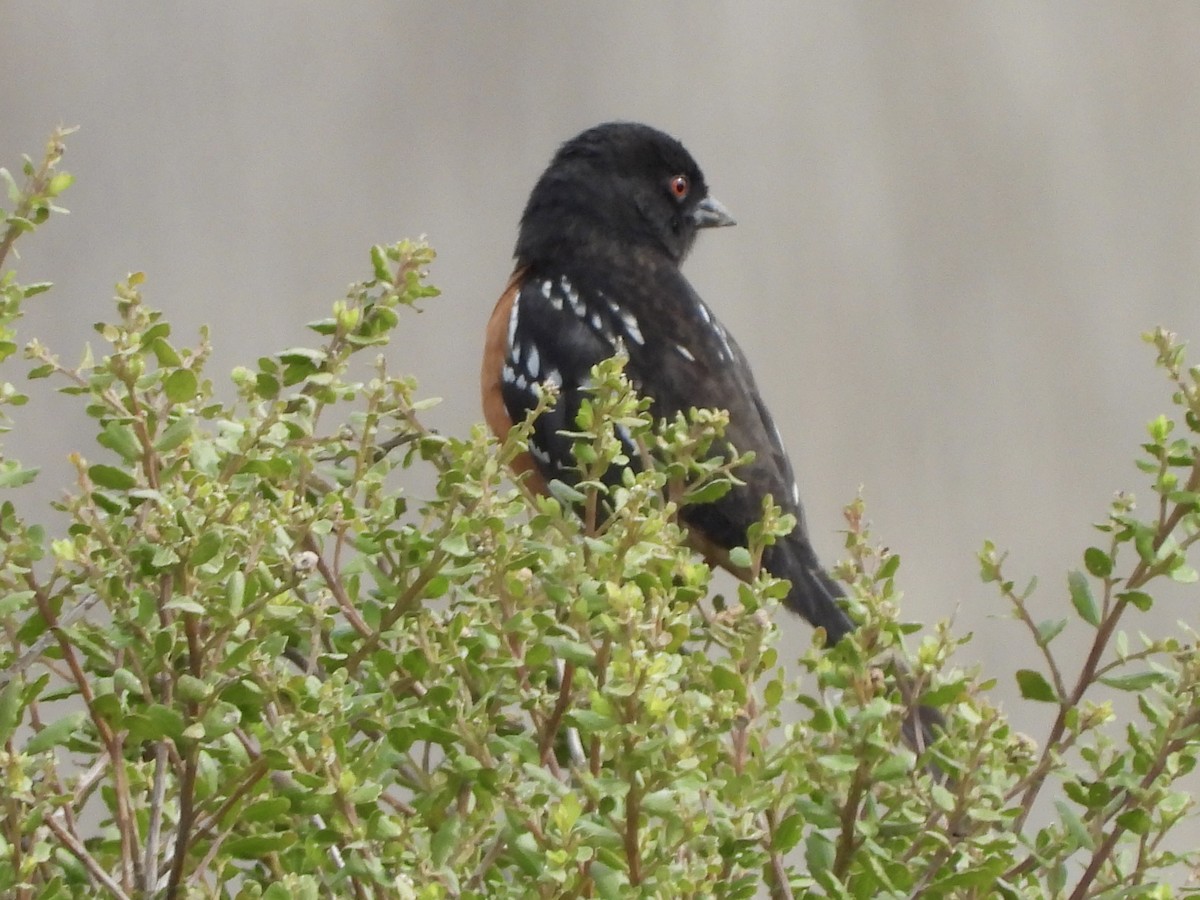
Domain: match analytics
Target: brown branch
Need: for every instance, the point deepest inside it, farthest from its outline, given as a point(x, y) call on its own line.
point(76, 849)
point(633, 808)
point(846, 844)
point(30, 656)
point(1102, 853)
point(550, 727)
point(157, 792)
point(1142, 573)
point(781, 889)
point(34, 187)
point(334, 583)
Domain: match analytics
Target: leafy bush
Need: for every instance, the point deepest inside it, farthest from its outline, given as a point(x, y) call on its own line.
point(255, 665)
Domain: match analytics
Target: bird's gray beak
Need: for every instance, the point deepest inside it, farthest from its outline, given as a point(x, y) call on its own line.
point(709, 213)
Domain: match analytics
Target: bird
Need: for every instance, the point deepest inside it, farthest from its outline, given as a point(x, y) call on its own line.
point(598, 267)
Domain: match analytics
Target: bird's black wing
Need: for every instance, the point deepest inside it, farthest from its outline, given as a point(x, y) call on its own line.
point(694, 362)
point(556, 334)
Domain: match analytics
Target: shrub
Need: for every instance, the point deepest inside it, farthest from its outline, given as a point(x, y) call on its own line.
point(255, 664)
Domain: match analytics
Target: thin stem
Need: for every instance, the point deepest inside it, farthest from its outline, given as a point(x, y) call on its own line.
point(76, 849)
point(1142, 573)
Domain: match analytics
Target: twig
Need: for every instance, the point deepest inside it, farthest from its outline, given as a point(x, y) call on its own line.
point(498, 845)
point(781, 889)
point(334, 583)
point(158, 791)
point(80, 852)
point(1142, 573)
point(550, 726)
point(30, 656)
point(633, 809)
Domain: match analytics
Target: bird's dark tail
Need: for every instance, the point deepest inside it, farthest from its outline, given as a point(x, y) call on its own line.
point(815, 595)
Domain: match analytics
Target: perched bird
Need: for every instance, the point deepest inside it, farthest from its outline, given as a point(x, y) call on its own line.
point(598, 260)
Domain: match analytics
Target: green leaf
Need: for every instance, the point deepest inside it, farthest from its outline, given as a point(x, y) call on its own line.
point(258, 845)
point(840, 762)
point(13, 474)
point(1159, 428)
point(189, 687)
point(1098, 562)
point(58, 183)
point(11, 186)
point(740, 558)
point(1034, 686)
point(175, 434)
point(32, 290)
point(611, 884)
point(379, 262)
point(590, 720)
point(1139, 681)
point(1138, 599)
point(307, 355)
point(1074, 825)
point(111, 477)
point(444, 841)
point(1184, 574)
point(167, 356)
point(265, 810)
point(206, 548)
point(183, 604)
point(1050, 629)
point(788, 832)
point(708, 493)
point(154, 723)
point(1082, 599)
point(818, 853)
point(10, 709)
point(181, 385)
point(56, 733)
point(571, 651)
point(14, 600)
point(1136, 820)
point(119, 438)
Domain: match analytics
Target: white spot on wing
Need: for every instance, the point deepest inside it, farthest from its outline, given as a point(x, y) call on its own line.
point(629, 320)
point(546, 288)
point(726, 350)
point(596, 323)
point(778, 436)
point(684, 352)
point(624, 436)
point(552, 376)
point(512, 321)
point(533, 362)
point(572, 296)
point(795, 493)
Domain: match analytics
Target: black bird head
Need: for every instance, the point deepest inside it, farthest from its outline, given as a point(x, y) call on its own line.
point(618, 186)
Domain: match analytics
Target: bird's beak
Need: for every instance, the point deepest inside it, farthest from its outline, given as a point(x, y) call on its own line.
point(709, 213)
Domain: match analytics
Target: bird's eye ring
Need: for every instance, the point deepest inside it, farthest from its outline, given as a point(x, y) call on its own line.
point(680, 186)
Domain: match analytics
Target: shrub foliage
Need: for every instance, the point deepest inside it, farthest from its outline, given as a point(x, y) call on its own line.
point(256, 664)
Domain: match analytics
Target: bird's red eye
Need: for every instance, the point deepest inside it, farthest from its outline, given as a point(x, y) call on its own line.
point(680, 186)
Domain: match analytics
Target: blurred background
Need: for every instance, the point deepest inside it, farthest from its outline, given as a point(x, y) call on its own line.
point(955, 220)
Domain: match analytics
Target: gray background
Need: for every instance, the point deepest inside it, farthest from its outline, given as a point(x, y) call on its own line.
point(954, 222)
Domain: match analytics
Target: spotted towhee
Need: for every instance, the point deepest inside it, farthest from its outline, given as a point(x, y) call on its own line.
point(597, 266)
